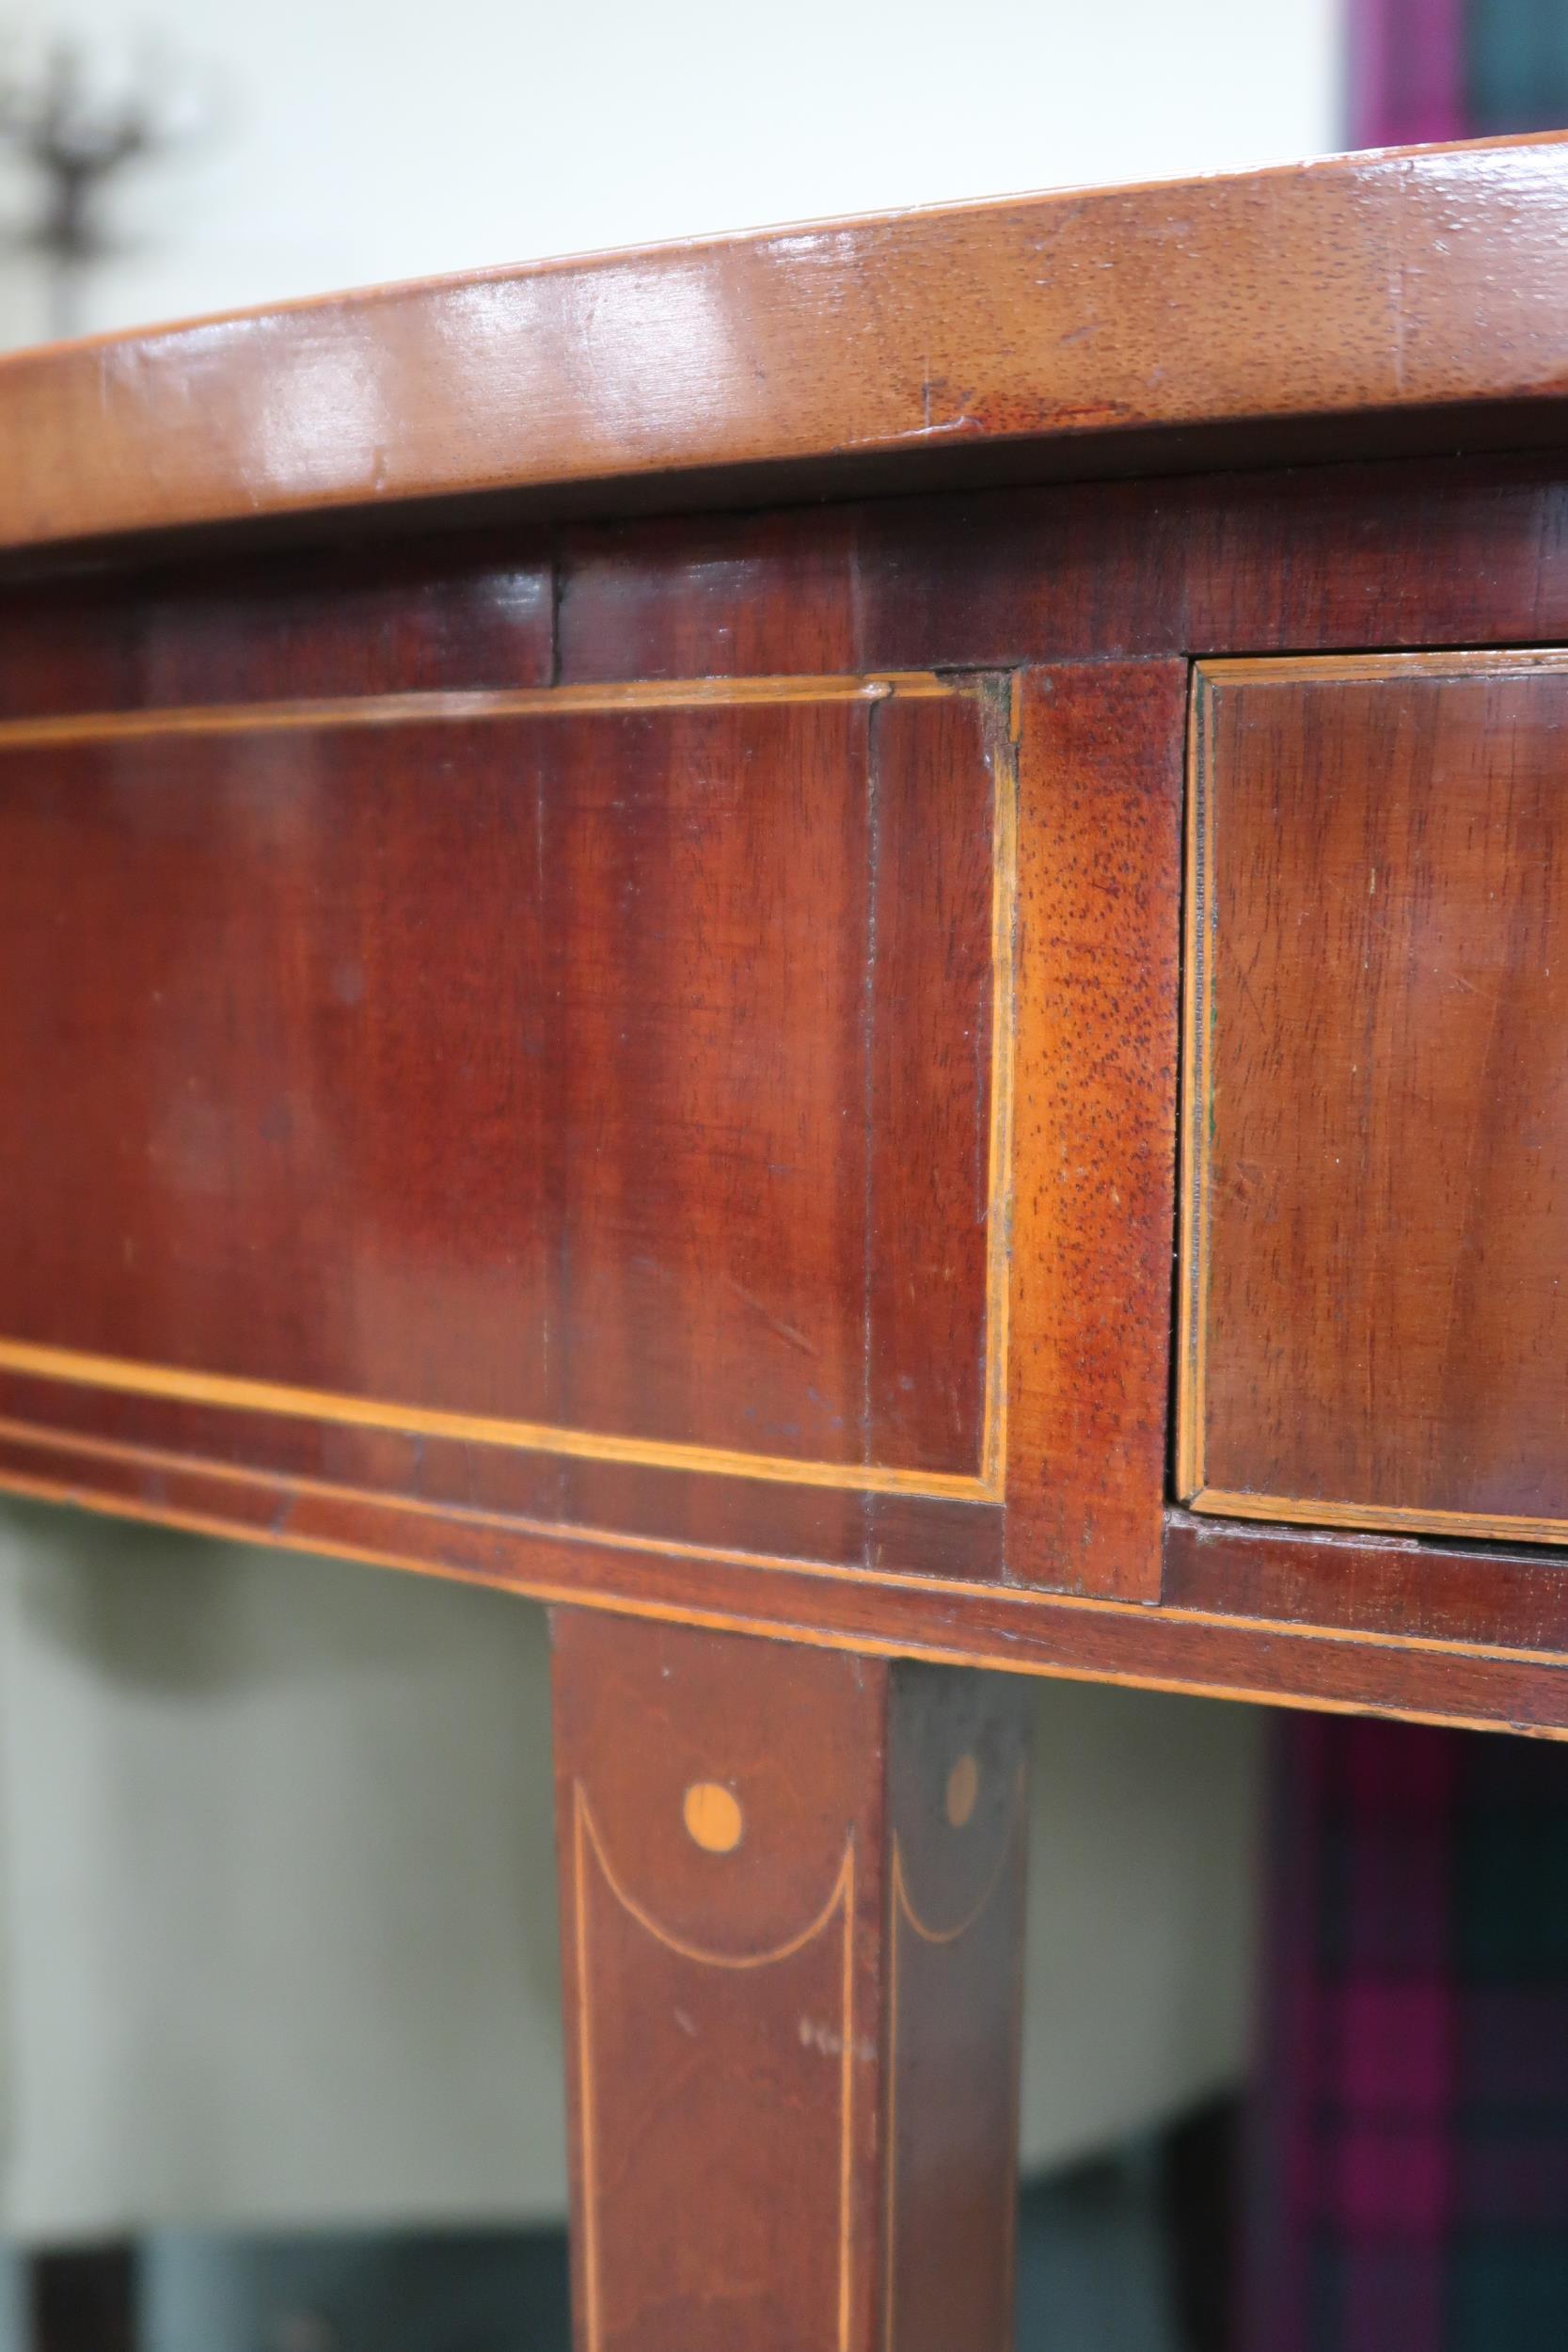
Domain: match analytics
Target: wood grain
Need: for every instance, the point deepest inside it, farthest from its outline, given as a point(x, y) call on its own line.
point(1468, 553)
point(1377, 1152)
point(588, 1173)
point(1393, 283)
point(957, 1803)
point(1484, 1678)
point(1094, 1205)
point(429, 614)
point(793, 2047)
point(1400, 1588)
point(940, 1064)
point(636, 1063)
point(1413, 554)
point(1471, 552)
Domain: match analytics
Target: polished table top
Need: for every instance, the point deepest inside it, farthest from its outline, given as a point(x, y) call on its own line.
point(1353, 303)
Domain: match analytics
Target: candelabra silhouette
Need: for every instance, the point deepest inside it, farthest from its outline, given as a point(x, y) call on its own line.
point(77, 141)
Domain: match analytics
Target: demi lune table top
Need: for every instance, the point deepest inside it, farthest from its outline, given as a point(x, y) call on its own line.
point(1402, 284)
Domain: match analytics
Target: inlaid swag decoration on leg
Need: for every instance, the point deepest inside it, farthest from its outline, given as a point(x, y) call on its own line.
point(792, 1916)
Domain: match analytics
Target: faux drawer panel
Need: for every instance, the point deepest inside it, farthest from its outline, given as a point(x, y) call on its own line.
point(605, 1074)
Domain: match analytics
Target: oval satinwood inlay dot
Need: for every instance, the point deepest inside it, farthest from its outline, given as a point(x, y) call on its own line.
point(963, 1787)
point(713, 1817)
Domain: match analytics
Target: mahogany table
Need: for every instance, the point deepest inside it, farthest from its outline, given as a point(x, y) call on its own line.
point(850, 950)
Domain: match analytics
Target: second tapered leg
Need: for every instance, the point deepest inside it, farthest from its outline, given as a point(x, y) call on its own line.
point(792, 1920)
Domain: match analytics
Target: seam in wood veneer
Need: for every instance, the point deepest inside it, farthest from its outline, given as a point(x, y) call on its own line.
point(861, 1645)
point(449, 707)
point(585, 1837)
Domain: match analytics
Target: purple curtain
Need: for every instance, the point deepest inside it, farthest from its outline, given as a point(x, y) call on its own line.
point(1407, 2188)
point(1407, 71)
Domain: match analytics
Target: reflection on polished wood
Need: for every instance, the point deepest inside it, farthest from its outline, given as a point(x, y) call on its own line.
point(1053, 327)
point(391, 711)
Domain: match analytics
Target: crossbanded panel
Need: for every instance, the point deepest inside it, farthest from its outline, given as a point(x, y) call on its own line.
point(1375, 1311)
point(576, 1071)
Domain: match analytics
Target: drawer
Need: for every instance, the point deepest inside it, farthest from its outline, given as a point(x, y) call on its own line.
point(1374, 1248)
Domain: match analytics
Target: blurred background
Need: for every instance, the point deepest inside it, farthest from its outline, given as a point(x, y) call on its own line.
point(279, 2069)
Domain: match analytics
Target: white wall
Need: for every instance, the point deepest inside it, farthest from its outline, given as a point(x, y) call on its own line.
point(380, 139)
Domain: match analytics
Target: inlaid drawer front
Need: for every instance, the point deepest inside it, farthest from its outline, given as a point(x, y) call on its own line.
point(593, 1075)
point(1374, 1292)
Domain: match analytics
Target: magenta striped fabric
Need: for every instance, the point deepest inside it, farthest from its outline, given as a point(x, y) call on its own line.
point(1407, 2187)
point(1408, 2183)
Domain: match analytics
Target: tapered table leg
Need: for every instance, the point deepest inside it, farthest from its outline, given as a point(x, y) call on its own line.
point(792, 1918)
